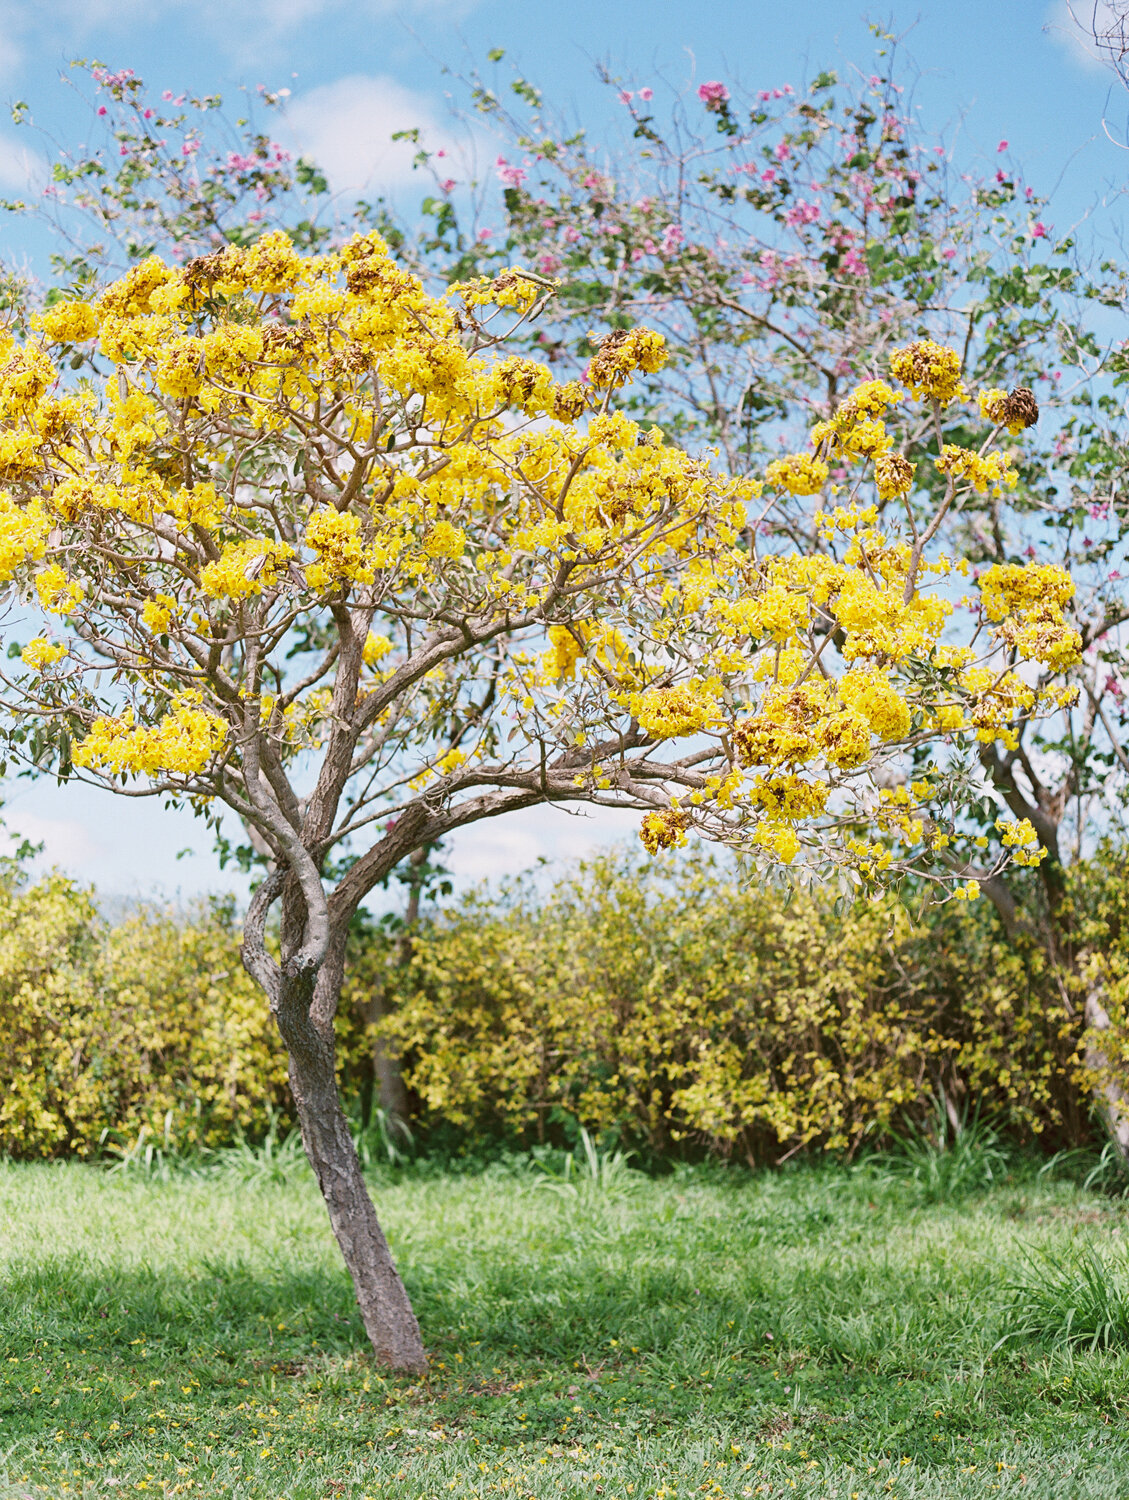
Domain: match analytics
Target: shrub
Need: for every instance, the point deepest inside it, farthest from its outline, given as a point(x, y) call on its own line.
point(672, 1003)
point(151, 1024)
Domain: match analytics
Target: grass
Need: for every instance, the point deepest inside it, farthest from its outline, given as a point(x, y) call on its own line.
point(816, 1332)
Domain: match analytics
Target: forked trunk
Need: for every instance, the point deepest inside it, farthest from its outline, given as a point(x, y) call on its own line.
point(385, 1309)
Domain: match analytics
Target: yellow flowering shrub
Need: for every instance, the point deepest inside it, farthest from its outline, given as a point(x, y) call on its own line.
point(673, 1003)
point(150, 1022)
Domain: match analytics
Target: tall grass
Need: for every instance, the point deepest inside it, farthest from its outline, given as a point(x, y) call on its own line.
point(945, 1160)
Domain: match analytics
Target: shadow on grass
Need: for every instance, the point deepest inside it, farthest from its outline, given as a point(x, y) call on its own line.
point(500, 1305)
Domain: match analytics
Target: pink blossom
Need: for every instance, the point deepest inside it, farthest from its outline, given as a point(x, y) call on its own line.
point(1002, 146)
point(625, 96)
point(509, 175)
point(1039, 232)
point(672, 238)
point(1001, 176)
point(713, 92)
point(146, 114)
point(167, 95)
point(547, 264)
point(646, 95)
point(572, 234)
point(441, 152)
point(853, 263)
point(938, 150)
point(101, 109)
point(123, 150)
point(782, 151)
point(484, 234)
point(447, 184)
point(948, 254)
point(802, 213)
point(769, 174)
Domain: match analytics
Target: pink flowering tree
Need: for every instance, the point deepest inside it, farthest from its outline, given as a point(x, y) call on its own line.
point(785, 241)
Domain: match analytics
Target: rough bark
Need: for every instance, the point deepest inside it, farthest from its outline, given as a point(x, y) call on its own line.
point(304, 1001)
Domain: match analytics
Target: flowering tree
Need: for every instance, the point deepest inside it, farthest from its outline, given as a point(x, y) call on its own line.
point(173, 173)
point(784, 242)
point(318, 550)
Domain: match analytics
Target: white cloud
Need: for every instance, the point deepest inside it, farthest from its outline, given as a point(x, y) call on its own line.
point(239, 25)
point(66, 842)
point(498, 847)
point(20, 167)
point(1074, 24)
point(346, 127)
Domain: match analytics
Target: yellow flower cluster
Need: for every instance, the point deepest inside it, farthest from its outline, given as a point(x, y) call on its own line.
point(23, 534)
point(664, 830)
point(1028, 606)
point(41, 653)
point(666, 713)
point(157, 613)
point(796, 724)
point(58, 594)
point(376, 648)
point(513, 288)
point(1020, 837)
point(1014, 410)
point(987, 473)
point(929, 371)
point(779, 839)
point(622, 353)
point(789, 797)
point(180, 743)
point(856, 429)
point(798, 473)
point(893, 475)
point(245, 568)
point(335, 537)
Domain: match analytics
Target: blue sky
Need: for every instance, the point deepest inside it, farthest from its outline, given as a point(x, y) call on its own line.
point(359, 69)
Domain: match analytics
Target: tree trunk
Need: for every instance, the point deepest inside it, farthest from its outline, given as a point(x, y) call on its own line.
point(1113, 1102)
point(386, 1071)
point(385, 1309)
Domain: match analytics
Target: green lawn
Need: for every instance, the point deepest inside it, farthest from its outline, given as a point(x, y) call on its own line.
point(806, 1333)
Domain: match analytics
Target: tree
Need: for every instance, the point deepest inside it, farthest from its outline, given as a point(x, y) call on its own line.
point(783, 241)
point(319, 551)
